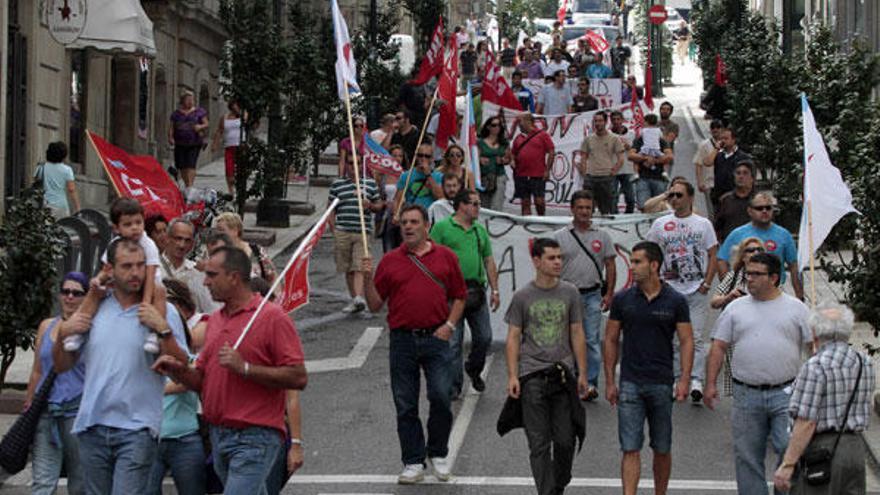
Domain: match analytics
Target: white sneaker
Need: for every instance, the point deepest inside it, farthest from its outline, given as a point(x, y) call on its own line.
point(696, 391)
point(441, 468)
point(412, 473)
point(151, 343)
point(73, 342)
point(349, 308)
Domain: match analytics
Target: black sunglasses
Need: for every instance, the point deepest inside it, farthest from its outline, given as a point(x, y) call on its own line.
point(754, 250)
point(762, 208)
point(674, 195)
point(424, 155)
point(72, 292)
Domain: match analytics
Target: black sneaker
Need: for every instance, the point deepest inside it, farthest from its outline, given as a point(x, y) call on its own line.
point(477, 382)
point(172, 171)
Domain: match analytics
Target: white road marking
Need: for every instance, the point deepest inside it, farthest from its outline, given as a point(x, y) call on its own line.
point(356, 358)
point(512, 481)
point(463, 420)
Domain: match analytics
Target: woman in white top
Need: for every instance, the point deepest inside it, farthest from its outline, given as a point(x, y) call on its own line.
point(229, 128)
point(59, 186)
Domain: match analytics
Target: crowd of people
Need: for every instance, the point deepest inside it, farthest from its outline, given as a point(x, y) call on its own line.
point(144, 351)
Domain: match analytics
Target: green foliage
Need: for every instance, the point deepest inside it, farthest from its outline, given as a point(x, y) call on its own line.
point(713, 22)
point(30, 244)
point(517, 16)
point(379, 72)
point(253, 70)
point(545, 8)
point(425, 14)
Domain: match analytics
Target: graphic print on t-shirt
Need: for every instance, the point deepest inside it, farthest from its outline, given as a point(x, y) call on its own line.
point(547, 318)
point(684, 252)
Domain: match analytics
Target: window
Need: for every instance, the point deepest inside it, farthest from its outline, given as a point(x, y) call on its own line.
point(78, 65)
point(143, 97)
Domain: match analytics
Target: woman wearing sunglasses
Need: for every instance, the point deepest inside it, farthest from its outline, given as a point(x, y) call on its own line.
point(494, 156)
point(345, 148)
point(54, 444)
point(453, 163)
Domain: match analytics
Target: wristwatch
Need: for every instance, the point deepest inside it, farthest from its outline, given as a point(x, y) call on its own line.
point(164, 333)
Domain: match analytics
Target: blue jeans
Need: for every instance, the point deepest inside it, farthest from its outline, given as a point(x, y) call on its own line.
point(481, 340)
point(638, 402)
point(409, 354)
point(592, 302)
point(116, 461)
point(757, 415)
point(243, 457)
point(648, 188)
point(55, 445)
point(623, 183)
point(185, 456)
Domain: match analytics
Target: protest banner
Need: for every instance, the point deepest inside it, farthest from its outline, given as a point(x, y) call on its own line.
point(568, 133)
point(607, 91)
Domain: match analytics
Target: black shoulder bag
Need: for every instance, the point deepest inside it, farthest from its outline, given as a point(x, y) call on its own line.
point(816, 462)
point(476, 291)
point(602, 282)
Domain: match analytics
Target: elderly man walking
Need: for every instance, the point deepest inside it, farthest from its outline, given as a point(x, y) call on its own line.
point(838, 378)
point(768, 331)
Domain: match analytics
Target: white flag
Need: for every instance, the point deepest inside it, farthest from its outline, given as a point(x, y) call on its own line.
point(826, 196)
point(468, 140)
point(346, 69)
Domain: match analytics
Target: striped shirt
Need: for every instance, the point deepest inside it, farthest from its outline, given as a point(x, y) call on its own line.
point(824, 385)
point(347, 214)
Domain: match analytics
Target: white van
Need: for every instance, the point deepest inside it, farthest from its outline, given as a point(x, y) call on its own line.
point(407, 54)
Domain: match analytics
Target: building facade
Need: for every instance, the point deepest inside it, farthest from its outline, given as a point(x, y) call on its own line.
point(53, 92)
point(849, 19)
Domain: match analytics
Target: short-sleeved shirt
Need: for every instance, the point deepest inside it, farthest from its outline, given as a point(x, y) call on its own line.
point(602, 153)
point(348, 217)
point(531, 156)
point(532, 70)
point(685, 242)
point(418, 191)
point(826, 382)
point(577, 268)
point(655, 171)
point(555, 100)
point(767, 338)
point(184, 126)
point(345, 144)
point(732, 211)
point(545, 317)
point(55, 178)
point(704, 149)
point(120, 389)
point(439, 210)
point(231, 400)
point(471, 246)
point(408, 141)
point(648, 329)
point(414, 300)
point(551, 67)
point(776, 239)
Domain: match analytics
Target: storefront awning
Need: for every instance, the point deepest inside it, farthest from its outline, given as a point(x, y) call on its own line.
point(117, 25)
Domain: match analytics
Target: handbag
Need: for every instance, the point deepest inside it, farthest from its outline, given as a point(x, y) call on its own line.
point(816, 462)
point(476, 291)
point(16, 444)
point(603, 284)
point(489, 182)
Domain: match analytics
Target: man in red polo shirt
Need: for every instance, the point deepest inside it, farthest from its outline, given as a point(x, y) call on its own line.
point(533, 154)
point(425, 290)
point(243, 390)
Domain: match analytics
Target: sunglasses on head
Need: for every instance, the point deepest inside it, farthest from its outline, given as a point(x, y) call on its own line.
point(763, 208)
point(754, 249)
point(72, 292)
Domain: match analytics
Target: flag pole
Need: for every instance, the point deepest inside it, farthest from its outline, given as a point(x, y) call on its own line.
point(280, 277)
point(812, 255)
point(355, 166)
point(412, 164)
point(103, 163)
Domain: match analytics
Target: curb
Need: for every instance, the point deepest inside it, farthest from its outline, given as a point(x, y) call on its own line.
point(872, 450)
point(298, 233)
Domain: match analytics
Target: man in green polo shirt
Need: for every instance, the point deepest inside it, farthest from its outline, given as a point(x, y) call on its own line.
point(469, 241)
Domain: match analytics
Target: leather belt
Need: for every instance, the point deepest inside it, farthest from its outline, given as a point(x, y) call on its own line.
point(590, 289)
point(763, 386)
point(420, 332)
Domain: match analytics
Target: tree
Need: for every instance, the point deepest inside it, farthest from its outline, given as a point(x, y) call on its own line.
point(30, 244)
point(253, 70)
point(379, 73)
point(714, 22)
point(518, 16)
point(425, 14)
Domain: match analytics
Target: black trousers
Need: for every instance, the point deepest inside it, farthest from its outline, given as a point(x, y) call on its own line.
point(546, 409)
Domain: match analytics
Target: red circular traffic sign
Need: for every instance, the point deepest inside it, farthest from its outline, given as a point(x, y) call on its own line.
point(657, 14)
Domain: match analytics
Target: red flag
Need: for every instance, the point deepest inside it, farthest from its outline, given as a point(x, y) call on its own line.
point(495, 87)
point(560, 14)
point(720, 72)
point(447, 91)
point(141, 178)
point(597, 42)
point(432, 62)
point(638, 115)
point(649, 80)
point(295, 292)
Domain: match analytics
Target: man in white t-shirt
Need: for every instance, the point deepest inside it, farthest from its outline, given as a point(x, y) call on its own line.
point(689, 259)
point(442, 207)
point(556, 63)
